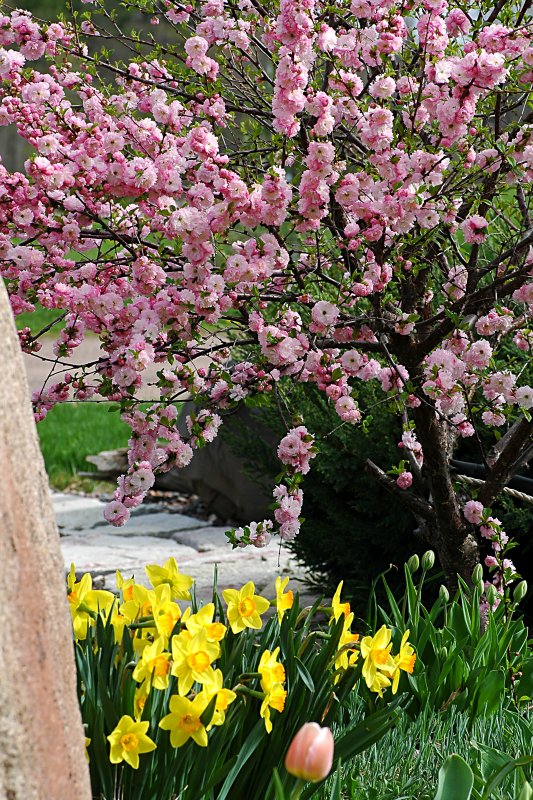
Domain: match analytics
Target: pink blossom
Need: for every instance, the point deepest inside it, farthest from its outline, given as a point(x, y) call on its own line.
point(474, 229)
point(116, 513)
point(473, 511)
point(404, 480)
point(296, 449)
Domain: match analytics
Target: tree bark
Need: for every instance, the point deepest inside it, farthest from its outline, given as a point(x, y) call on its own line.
point(448, 532)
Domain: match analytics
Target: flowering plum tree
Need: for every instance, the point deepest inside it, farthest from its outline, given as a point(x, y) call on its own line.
point(301, 191)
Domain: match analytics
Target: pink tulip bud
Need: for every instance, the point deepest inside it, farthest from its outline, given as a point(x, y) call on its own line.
point(310, 754)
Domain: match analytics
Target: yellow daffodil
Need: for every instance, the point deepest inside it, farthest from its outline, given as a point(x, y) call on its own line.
point(271, 670)
point(140, 605)
point(347, 655)
point(128, 740)
point(165, 611)
point(284, 600)
point(337, 607)
point(274, 698)
point(184, 721)
point(154, 665)
point(203, 620)
point(192, 657)
point(376, 652)
point(405, 660)
point(87, 743)
point(140, 697)
point(85, 602)
point(245, 607)
point(119, 622)
point(140, 608)
point(169, 573)
point(224, 697)
point(379, 682)
point(125, 586)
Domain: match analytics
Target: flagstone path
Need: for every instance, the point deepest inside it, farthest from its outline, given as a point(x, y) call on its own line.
point(152, 535)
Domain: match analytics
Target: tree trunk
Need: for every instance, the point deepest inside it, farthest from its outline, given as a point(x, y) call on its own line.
point(447, 531)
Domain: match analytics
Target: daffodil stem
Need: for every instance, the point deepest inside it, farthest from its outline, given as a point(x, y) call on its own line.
point(251, 692)
point(136, 625)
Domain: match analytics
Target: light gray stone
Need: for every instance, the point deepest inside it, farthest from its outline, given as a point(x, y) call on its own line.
point(104, 553)
point(204, 539)
point(76, 513)
point(42, 752)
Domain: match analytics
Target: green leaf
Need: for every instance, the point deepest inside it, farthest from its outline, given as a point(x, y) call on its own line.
point(337, 784)
point(278, 786)
point(526, 793)
point(488, 694)
point(524, 687)
point(456, 780)
point(303, 672)
point(247, 750)
point(503, 772)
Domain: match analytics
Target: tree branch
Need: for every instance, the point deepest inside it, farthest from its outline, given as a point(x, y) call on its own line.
point(508, 461)
point(416, 504)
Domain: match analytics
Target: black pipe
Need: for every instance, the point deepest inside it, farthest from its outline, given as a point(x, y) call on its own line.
point(518, 482)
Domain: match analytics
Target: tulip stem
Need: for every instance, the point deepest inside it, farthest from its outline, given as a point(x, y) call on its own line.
point(296, 792)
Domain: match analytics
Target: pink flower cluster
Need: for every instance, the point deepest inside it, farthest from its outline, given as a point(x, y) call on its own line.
point(490, 528)
point(294, 30)
point(296, 449)
point(342, 246)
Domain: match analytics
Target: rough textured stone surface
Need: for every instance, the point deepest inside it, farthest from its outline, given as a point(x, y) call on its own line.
point(42, 754)
point(151, 538)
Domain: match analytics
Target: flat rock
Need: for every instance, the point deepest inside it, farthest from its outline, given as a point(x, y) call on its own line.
point(104, 553)
point(152, 536)
point(85, 514)
point(204, 539)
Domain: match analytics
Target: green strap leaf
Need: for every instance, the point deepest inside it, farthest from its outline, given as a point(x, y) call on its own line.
point(456, 780)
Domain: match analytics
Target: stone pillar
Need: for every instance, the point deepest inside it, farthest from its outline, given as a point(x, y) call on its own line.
point(42, 751)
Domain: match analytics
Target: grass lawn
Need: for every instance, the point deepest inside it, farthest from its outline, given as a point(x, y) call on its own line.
point(404, 765)
point(39, 319)
point(72, 431)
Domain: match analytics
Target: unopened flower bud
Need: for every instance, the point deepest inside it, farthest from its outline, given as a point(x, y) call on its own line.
point(443, 653)
point(520, 591)
point(477, 574)
point(310, 754)
point(428, 559)
point(413, 564)
point(480, 586)
point(491, 594)
point(444, 594)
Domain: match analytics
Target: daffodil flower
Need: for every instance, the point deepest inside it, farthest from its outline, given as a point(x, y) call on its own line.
point(271, 670)
point(245, 607)
point(405, 660)
point(203, 620)
point(337, 607)
point(274, 698)
point(376, 652)
point(184, 721)
point(154, 666)
point(170, 574)
point(284, 600)
point(192, 657)
point(128, 740)
point(214, 687)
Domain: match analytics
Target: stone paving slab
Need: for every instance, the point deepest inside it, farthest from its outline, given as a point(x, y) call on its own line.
point(93, 546)
point(204, 539)
point(85, 514)
point(103, 553)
